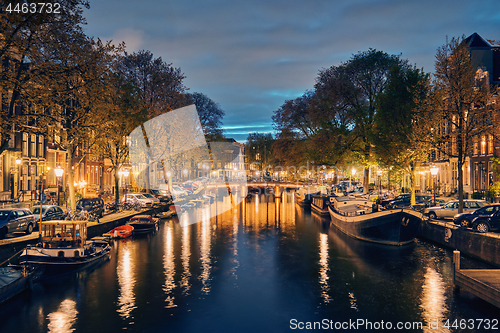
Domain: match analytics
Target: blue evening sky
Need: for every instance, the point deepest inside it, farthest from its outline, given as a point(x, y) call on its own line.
point(251, 56)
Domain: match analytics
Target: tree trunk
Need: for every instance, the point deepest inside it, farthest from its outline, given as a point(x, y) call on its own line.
point(366, 175)
point(71, 177)
point(412, 185)
point(117, 185)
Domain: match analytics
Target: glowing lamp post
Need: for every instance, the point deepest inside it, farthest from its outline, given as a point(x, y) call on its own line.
point(434, 172)
point(124, 173)
point(59, 173)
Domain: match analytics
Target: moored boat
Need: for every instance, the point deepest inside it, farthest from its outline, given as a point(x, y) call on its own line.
point(143, 224)
point(122, 231)
point(63, 248)
point(303, 196)
point(319, 205)
point(14, 280)
point(360, 219)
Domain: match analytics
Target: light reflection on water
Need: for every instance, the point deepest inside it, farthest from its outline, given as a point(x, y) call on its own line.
point(252, 268)
point(324, 268)
point(434, 301)
point(169, 266)
point(62, 320)
point(126, 280)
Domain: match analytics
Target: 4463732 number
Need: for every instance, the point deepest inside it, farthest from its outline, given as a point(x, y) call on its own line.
point(34, 7)
point(472, 324)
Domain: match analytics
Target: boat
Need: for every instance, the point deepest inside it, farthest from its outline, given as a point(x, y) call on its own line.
point(319, 205)
point(303, 196)
point(122, 231)
point(63, 248)
point(143, 224)
point(15, 279)
point(361, 219)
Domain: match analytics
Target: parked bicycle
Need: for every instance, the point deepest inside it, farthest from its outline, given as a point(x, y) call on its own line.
point(81, 215)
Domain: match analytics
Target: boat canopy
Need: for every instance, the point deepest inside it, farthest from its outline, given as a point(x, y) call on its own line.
point(63, 233)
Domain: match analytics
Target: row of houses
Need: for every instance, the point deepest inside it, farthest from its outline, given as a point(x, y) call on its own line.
point(479, 168)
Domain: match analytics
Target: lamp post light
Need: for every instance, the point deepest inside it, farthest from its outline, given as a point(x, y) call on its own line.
point(18, 173)
point(59, 173)
point(124, 173)
point(434, 172)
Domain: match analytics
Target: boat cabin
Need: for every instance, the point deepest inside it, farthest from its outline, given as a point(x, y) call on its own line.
point(56, 234)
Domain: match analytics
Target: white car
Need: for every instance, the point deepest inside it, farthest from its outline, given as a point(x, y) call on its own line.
point(155, 200)
point(450, 209)
point(178, 191)
point(138, 197)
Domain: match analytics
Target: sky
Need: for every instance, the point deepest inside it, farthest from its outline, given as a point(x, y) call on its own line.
point(251, 56)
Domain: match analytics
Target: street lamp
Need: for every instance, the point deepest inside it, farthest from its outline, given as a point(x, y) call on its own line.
point(353, 172)
point(59, 173)
point(124, 173)
point(434, 172)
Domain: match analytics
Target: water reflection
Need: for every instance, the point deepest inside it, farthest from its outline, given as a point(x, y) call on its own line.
point(169, 266)
point(64, 318)
point(126, 280)
point(247, 270)
point(433, 303)
point(324, 268)
point(205, 246)
point(185, 255)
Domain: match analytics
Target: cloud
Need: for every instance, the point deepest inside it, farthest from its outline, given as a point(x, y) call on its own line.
point(133, 39)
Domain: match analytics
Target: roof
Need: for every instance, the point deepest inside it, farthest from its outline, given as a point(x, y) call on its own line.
point(142, 216)
point(476, 41)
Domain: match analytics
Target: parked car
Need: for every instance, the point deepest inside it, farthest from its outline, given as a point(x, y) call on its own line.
point(450, 209)
point(384, 203)
point(485, 223)
point(16, 220)
point(465, 219)
point(179, 192)
point(190, 186)
point(91, 205)
point(405, 202)
point(138, 198)
point(155, 200)
point(162, 195)
point(49, 213)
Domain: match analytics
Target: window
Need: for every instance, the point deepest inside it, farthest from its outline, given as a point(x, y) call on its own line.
point(476, 146)
point(473, 205)
point(490, 144)
point(33, 145)
point(40, 146)
point(25, 144)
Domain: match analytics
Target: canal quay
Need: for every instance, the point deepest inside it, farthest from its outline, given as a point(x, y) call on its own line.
point(264, 264)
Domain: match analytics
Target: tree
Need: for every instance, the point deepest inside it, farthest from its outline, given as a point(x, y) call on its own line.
point(23, 39)
point(74, 88)
point(123, 118)
point(159, 88)
point(462, 95)
point(403, 121)
point(357, 82)
point(259, 148)
point(210, 115)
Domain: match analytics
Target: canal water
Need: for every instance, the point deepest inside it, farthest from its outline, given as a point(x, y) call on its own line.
point(265, 265)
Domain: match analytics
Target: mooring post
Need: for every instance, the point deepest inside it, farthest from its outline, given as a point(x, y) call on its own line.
point(456, 262)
